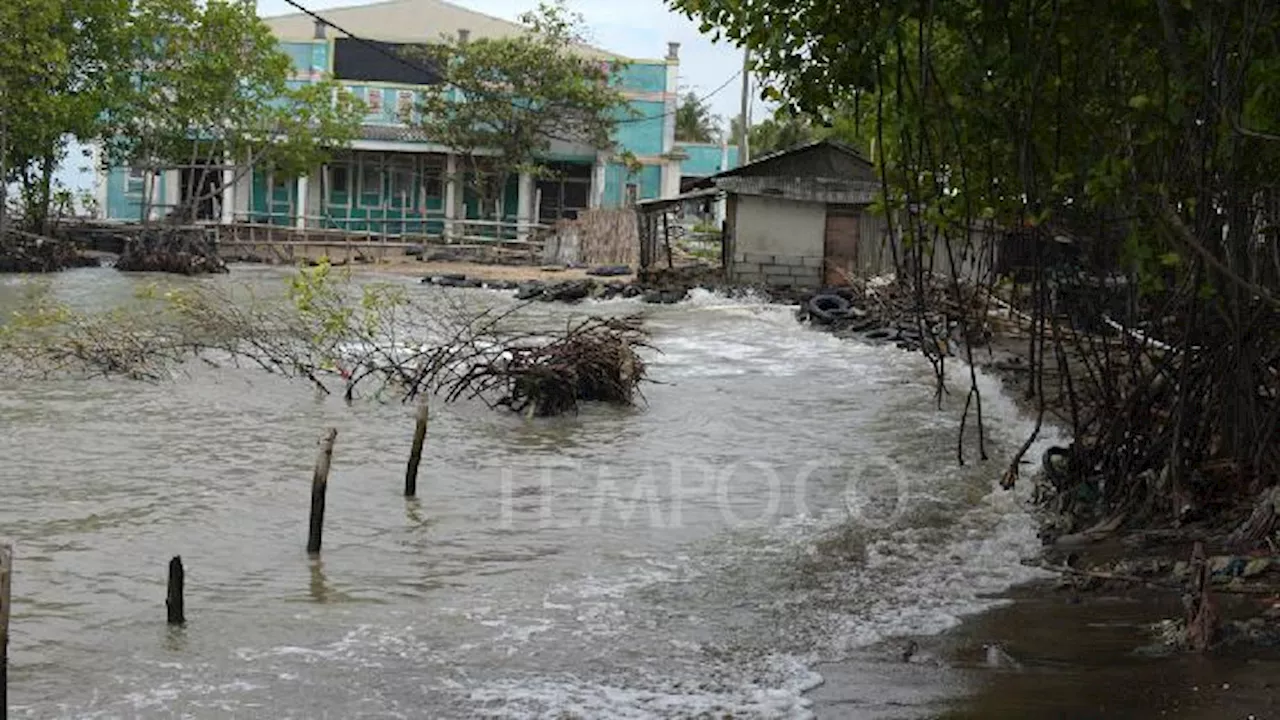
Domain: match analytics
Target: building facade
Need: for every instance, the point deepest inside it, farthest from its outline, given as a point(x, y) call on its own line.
point(392, 180)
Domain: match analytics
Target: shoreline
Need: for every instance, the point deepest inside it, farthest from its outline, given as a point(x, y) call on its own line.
point(1082, 641)
point(1071, 634)
point(1061, 655)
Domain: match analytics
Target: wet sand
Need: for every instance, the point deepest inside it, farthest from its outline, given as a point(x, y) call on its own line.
point(1077, 661)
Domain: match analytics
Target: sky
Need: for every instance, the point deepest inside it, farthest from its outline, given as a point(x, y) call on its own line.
point(632, 28)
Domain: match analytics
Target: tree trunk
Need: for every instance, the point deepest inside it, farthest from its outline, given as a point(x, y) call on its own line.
point(47, 165)
point(4, 174)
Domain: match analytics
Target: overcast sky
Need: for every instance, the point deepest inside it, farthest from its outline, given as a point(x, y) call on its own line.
point(634, 28)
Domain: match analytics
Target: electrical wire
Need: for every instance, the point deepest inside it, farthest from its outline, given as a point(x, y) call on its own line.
point(436, 72)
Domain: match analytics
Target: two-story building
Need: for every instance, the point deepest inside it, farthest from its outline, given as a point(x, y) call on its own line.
point(394, 180)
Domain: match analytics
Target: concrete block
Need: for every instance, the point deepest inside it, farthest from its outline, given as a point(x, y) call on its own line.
point(776, 269)
point(758, 258)
point(803, 271)
point(783, 280)
point(813, 262)
point(740, 268)
point(788, 259)
point(740, 257)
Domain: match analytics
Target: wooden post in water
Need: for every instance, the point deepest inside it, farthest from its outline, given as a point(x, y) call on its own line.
point(319, 484)
point(174, 602)
point(415, 455)
point(6, 580)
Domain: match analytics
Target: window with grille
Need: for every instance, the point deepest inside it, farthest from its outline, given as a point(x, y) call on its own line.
point(404, 105)
point(136, 180)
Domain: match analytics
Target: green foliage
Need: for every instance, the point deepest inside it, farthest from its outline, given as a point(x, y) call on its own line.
point(325, 304)
point(60, 67)
point(515, 95)
point(161, 83)
point(695, 122)
point(630, 161)
point(209, 83)
point(1088, 117)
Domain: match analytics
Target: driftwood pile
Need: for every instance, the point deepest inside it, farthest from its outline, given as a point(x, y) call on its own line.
point(595, 360)
point(23, 252)
point(179, 250)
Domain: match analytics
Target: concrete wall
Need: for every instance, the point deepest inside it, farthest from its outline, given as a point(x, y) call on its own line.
point(778, 242)
point(706, 158)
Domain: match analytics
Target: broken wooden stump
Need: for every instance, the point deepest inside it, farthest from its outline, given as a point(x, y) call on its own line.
point(415, 454)
point(319, 486)
point(179, 250)
point(6, 582)
point(174, 602)
point(23, 252)
point(1202, 610)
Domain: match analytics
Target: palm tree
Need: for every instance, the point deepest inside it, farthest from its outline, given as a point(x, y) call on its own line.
point(694, 121)
point(773, 135)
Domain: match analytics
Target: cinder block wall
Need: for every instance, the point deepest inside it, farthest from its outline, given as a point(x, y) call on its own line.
point(778, 242)
point(784, 270)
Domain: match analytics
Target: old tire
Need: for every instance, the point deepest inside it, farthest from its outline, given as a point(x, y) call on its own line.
point(610, 270)
point(827, 308)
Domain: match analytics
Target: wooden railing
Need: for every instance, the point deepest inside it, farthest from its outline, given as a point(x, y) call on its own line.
point(416, 230)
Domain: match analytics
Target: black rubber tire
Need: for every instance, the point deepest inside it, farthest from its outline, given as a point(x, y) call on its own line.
point(530, 291)
point(610, 270)
point(827, 308)
point(881, 334)
point(1056, 474)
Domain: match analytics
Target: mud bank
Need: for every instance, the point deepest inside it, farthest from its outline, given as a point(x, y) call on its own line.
point(1060, 655)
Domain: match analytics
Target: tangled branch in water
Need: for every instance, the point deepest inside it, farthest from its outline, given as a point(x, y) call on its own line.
point(371, 340)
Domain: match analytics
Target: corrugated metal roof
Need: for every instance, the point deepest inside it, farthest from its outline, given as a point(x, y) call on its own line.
point(803, 189)
point(820, 159)
point(654, 204)
point(406, 21)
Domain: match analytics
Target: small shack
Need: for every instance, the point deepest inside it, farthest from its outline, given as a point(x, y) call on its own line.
point(799, 217)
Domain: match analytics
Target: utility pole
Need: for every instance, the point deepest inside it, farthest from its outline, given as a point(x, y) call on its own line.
point(744, 143)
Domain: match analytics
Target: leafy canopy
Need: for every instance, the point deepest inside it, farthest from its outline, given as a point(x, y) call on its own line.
point(695, 122)
point(209, 79)
point(507, 99)
point(1097, 118)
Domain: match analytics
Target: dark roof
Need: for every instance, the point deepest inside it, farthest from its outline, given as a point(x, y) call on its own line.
point(829, 159)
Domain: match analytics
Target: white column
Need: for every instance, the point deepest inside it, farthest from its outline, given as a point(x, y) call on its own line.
point(242, 195)
point(525, 211)
point(597, 182)
point(300, 203)
point(450, 194)
point(669, 185)
point(228, 192)
point(172, 192)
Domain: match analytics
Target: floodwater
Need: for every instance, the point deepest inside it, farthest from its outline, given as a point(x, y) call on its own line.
point(783, 500)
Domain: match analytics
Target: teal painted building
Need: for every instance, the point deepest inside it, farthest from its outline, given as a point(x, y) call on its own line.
point(394, 181)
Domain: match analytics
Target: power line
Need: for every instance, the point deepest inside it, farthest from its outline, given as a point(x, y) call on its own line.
point(436, 72)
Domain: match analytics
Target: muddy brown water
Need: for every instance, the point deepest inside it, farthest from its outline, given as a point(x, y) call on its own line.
point(748, 544)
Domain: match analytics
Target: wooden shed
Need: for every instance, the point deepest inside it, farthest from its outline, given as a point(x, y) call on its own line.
point(798, 218)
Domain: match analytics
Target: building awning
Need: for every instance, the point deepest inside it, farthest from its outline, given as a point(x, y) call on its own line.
point(659, 204)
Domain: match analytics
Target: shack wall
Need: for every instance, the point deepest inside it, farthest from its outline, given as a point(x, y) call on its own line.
point(777, 241)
